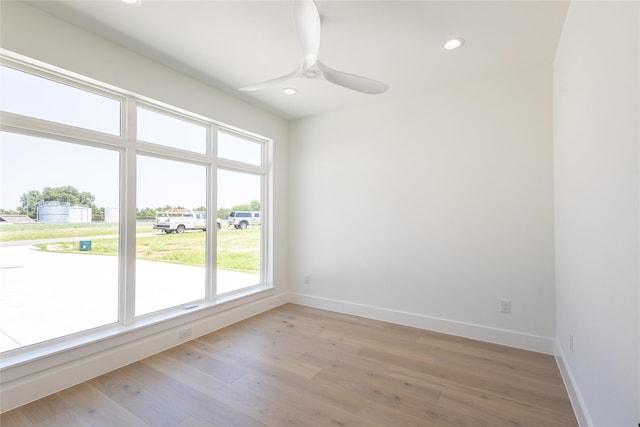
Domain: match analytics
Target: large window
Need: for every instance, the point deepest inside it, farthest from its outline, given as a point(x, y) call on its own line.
point(113, 209)
point(57, 240)
point(171, 260)
point(239, 241)
point(240, 257)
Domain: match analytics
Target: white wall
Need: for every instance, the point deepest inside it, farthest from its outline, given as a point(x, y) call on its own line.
point(28, 31)
point(597, 192)
point(427, 210)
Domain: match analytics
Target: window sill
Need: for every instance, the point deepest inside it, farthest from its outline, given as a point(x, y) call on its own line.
point(24, 361)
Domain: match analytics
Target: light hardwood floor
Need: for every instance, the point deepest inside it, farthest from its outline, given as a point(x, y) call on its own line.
point(299, 366)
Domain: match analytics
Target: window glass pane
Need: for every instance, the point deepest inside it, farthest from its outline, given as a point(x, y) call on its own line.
point(244, 150)
point(239, 240)
point(170, 131)
point(170, 266)
point(33, 96)
point(59, 239)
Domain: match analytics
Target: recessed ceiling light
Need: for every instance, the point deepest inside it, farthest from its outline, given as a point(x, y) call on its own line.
point(132, 1)
point(290, 91)
point(454, 43)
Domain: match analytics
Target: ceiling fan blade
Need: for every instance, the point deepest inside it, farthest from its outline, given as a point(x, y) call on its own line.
point(352, 81)
point(307, 23)
point(263, 85)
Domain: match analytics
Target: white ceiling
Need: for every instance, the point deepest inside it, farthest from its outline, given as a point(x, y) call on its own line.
point(231, 44)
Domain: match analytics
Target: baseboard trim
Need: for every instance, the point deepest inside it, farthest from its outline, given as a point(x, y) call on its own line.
point(467, 330)
point(28, 388)
point(34, 386)
point(577, 402)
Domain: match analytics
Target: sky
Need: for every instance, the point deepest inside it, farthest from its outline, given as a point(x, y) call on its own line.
point(30, 163)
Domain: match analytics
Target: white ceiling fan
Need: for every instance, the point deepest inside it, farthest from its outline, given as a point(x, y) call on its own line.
point(307, 23)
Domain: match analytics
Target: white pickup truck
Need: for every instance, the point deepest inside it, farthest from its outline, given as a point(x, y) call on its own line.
point(179, 221)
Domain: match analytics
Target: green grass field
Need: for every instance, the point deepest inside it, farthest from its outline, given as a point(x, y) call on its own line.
point(238, 250)
point(12, 232)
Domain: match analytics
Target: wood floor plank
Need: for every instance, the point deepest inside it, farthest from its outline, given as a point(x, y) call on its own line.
point(188, 354)
point(145, 404)
point(258, 406)
point(309, 403)
point(427, 415)
point(552, 402)
point(279, 354)
point(287, 386)
point(318, 417)
point(500, 411)
point(187, 400)
point(503, 365)
point(443, 375)
point(15, 418)
point(401, 348)
point(52, 411)
point(192, 422)
point(300, 366)
point(376, 386)
point(96, 408)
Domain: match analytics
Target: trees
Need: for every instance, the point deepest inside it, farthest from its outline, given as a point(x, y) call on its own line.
point(255, 205)
point(69, 194)
point(146, 213)
point(9, 212)
point(28, 202)
point(223, 213)
point(75, 197)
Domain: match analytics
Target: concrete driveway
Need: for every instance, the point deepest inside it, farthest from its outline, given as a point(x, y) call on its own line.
point(45, 295)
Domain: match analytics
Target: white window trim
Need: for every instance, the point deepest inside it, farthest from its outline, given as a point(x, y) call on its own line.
point(128, 324)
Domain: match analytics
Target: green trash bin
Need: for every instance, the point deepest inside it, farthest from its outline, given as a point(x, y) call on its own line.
point(85, 245)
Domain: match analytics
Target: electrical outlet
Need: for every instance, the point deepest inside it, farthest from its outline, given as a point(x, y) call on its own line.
point(307, 279)
point(571, 343)
point(505, 306)
point(184, 333)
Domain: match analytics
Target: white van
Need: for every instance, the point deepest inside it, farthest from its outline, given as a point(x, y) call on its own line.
point(243, 219)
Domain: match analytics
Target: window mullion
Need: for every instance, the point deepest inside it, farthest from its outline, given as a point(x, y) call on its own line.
point(266, 248)
point(16, 123)
point(127, 294)
point(212, 215)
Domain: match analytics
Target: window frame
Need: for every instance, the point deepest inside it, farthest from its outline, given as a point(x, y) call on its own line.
point(128, 147)
point(175, 114)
